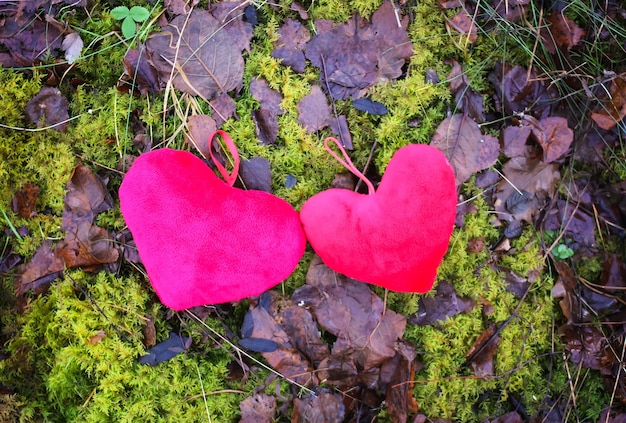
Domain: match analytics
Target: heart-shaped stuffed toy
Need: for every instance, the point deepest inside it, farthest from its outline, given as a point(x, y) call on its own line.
point(201, 240)
point(394, 237)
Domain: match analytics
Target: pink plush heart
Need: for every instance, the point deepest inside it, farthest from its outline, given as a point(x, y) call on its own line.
point(201, 240)
point(395, 237)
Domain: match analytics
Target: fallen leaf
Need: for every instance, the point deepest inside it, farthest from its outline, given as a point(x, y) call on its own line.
point(339, 127)
point(514, 139)
point(613, 110)
point(139, 74)
point(73, 46)
point(223, 109)
point(588, 346)
point(519, 91)
point(28, 42)
point(266, 126)
point(552, 134)
point(48, 108)
point(256, 174)
point(466, 98)
point(480, 354)
point(443, 305)
point(370, 106)
point(43, 268)
point(268, 98)
point(511, 10)
point(304, 333)
point(531, 178)
point(85, 244)
point(354, 314)
point(97, 338)
point(603, 298)
point(289, 48)
point(577, 225)
point(166, 350)
point(24, 201)
point(314, 112)
point(468, 151)
point(259, 408)
point(560, 31)
point(326, 407)
point(463, 23)
point(511, 417)
point(260, 325)
point(399, 393)
point(567, 289)
point(357, 55)
point(199, 54)
point(200, 128)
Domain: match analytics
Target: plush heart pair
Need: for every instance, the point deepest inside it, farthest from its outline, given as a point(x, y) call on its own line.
point(203, 241)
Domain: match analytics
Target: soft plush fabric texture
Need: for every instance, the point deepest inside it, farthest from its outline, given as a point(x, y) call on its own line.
point(395, 237)
point(201, 240)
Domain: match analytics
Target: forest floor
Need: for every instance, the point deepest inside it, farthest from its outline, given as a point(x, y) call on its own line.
point(525, 98)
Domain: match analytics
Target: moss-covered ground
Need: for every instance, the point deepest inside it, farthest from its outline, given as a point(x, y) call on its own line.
point(59, 367)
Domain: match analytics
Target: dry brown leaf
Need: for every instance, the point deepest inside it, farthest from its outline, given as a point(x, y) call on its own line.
point(205, 55)
point(468, 151)
point(24, 201)
point(200, 128)
point(444, 304)
point(356, 55)
point(323, 408)
point(480, 355)
point(464, 24)
point(314, 111)
point(560, 32)
point(290, 46)
point(259, 408)
point(614, 109)
point(531, 179)
point(49, 108)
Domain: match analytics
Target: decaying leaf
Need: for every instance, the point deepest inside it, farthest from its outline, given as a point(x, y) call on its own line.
point(28, 41)
point(199, 54)
point(464, 24)
point(256, 174)
point(399, 398)
point(259, 408)
point(314, 111)
point(577, 225)
point(48, 108)
point(139, 74)
point(613, 110)
point(444, 304)
point(283, 356)
point(223, 108)
point(339, 128)
point(468, 151)
point(560, 32)
point(525, 175)
point(266, 126)
point(356, 55)
point(480, 355)
point(167, 349)
point(25, 200)
point(466, 98)
point(322, 408)
point(290, 46)
point(589, 347)
point(269, 98)
point(200, 128)
point(73, 46)
point(84, 245)
point(40, 271)
point(518, 90)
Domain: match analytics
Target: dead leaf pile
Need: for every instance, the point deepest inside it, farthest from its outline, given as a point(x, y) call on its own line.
point(367, 352)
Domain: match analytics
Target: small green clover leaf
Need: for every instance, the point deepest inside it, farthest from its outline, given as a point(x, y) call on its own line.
point(131, 17)
point(562, 252)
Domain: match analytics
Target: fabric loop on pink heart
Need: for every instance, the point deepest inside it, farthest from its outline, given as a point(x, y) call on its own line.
point(347, 163)
point(230, 178)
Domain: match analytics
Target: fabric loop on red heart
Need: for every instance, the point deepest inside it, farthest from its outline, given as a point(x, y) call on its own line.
point(229, 178)
point(347, 163)
point(201, 240)
point(395, 237)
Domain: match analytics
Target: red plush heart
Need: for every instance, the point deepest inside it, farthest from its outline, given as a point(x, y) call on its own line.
point(201, 240)
point(395, 237)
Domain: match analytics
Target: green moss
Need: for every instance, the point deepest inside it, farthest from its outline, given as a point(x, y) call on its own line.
point(79, 379)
